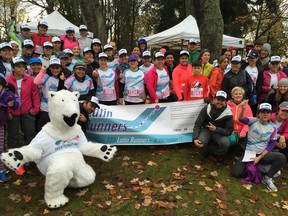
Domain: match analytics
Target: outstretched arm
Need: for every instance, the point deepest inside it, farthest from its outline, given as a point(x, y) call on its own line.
point(15, 158)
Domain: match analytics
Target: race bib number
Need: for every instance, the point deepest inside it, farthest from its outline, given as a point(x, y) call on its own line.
point(108, 90)
point(165, 92)
point(133, 92)
point(196, 92)
point(39, 49)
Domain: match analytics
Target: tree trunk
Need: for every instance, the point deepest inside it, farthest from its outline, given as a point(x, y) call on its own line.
point(93, 15)
point(210, 23)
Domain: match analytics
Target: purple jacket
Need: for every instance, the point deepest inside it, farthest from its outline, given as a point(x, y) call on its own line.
point(253, 173)
point(6, 96)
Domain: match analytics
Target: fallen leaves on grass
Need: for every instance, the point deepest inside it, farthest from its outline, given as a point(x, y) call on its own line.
point(32, 184)
point(17, 182)
point(247, 186)
point(197, 202)
point(27, 198)
point(208, 188)
point(238, 202)
point(214, 173)
point(151, 163)
point(82, 192)
point(14, 197)
point(46, 211)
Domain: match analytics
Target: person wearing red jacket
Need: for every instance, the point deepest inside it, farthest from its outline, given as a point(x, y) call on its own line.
point(40, 38)
point(280, 119)
point(196, 86)
point(24, 116)
point(181, 74)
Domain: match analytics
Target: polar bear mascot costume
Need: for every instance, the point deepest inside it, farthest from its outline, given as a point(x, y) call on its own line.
point(58, 150)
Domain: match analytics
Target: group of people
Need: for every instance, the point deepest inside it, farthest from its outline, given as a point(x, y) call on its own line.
point(33, 64)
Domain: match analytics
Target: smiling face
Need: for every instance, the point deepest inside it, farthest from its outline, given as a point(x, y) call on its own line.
point(205, 57)
point(28, 50)
point(237, 96)
point(42, 29)
point(6, 53)
point(264, 116)
point(274, 66)
point(80, 72)
point(18, 70)
point(159, 62)
point(136, 51)
point(36, 67)
point(183, 60)
point(76, 50)
point(103, 63)
point(96, 48)
point(219, 102)
point(169, 59)
point(283, 89)
point(55, 70)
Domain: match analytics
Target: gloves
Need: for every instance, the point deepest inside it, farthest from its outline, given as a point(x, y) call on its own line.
point(253, 100)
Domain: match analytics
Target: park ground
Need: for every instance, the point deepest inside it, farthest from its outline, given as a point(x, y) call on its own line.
point(151, 180)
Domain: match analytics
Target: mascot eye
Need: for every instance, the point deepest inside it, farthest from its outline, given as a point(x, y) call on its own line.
point(62, 100)
point(74, 100)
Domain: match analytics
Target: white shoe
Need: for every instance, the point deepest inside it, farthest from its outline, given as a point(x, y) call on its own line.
point(269, 182)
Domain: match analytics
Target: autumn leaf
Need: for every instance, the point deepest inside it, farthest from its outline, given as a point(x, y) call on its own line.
point(202, 183)
point(27, 198)
point(14, 197)
point(178, 197)
point(261, 214)
point(147, 201)
point(109, 186)
point(147, 191)
point(238, 202)
point(126, 158)
point(46, 211)
point(17, 182)
point(137, 205)
point(151, 163)
point(125, 164)
point(112, 191)
point(108, 203)
point(190, 192)
point(100, 206)
point(208, 188)
point(285, 202)
point(197, 202)
point(274, 194)
point(214, 173)
point(32, 184)
point(247, 186)
point(276, 204)
point(82, 192)
point(184, 205)
point(285, 207)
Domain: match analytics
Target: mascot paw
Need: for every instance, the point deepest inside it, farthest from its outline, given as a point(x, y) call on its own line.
point(107, 152)
point(13, 159)
point(57, 202)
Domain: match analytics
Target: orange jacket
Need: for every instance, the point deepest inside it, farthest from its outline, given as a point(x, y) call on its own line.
point(196, 87)
point(179, 76)
point(236, 110)
point(216, 81)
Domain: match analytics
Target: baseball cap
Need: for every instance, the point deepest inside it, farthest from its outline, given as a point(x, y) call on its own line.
point(48, 44)
point(94, 100)
point(43, 22)
point(56, 39)
point(146, 54)
point(102, 55)
point(83, 27)
point(5, 44)
point(221, 94)
point(275, 59)
point(13, 42)
point(25, 26)
point(253, 54)
point(87, 49)
point(35, 60)
point(133, 57)
point(159, 54)
point(284, 105)
point(68, 51)
point(96, 40)
point(108, 46)
point(54, 61)
point(80, 64)
point(69, 29)
point(265, 106)
point(184, 52)
point(122, 52)
point(62, 54)
point(192, 41)
point(28, 42)
point(236, 59)
point(18, 60)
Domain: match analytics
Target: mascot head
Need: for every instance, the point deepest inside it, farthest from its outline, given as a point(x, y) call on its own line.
point(63, 108)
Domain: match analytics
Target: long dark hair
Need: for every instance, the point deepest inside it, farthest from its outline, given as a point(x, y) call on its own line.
point(202, 53)
point(6, 85)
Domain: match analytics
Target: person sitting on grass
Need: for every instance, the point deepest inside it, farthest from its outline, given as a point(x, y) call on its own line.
point(260, 143)
point(214, 123)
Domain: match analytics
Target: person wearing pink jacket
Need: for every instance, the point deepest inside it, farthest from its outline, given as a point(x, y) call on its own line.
point(240, 130)
point(68, 40)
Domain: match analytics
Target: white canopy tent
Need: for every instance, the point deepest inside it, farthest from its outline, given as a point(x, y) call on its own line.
point(178, 36)
point(57, 25)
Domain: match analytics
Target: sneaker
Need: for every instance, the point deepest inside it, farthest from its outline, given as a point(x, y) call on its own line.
point(269, 182)
point(277, 174)
point(20, 170)
point(3, 177)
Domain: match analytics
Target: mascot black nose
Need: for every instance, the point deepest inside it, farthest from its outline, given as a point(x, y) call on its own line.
point(70, 121)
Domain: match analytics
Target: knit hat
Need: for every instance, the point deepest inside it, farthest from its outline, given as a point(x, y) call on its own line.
point(283, 81)
point(267, 47)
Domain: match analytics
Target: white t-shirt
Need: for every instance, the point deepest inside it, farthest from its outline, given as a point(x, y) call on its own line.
point(51, 147)
point(274, 80)
point(253, 72)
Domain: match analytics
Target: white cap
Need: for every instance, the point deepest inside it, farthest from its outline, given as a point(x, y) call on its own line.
point(94, 100)
point(48, 43)
point(54, 61)
point(83, 27)
point(68, 51)
point(28, 42)
point(69, 28)
point(13, 42)
point(159, 54)
point(122, 51)
point(56, 39)
point(275, 59)
point(221, 94)
point(236, 58)
point(43, 22)
point(192, 41)
point(146, 54)
point(17, 60)
point(25, 26)
point(96, 40)
point(265, 106)
point(184, 52)
point(5, 44)
point(102, 55)
point(107, 46)
point(87, 49)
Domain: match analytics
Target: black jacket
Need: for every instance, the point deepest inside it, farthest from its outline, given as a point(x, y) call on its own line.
point(222, 119)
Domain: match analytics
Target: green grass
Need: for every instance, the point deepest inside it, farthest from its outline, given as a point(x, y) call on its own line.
point(175, 167)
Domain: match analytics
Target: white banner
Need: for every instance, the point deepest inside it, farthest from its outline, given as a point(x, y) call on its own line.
point(149, 124)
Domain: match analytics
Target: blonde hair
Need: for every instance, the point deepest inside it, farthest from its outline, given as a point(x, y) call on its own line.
point(237, 88)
